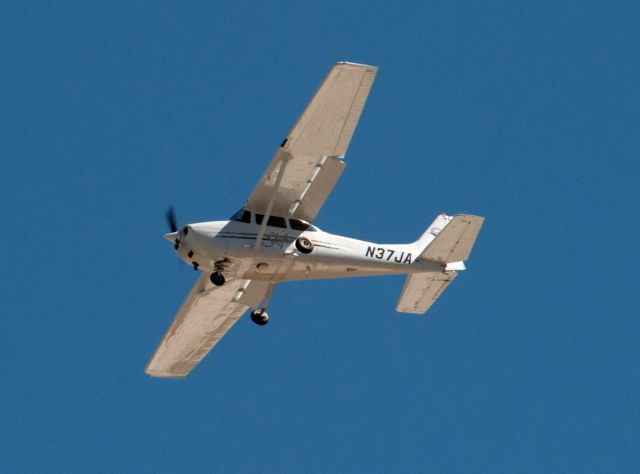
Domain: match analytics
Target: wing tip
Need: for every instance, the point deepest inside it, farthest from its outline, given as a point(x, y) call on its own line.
point(161, 374)
point(357, 65)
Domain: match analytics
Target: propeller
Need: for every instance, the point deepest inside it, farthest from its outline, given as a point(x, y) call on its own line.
point(174, 236)
point(171, 219)
point(173, 225)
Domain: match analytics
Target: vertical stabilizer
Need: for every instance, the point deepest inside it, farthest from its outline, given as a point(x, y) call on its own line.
point(432, 232)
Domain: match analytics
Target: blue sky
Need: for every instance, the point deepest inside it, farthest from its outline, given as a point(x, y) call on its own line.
point(527, 115)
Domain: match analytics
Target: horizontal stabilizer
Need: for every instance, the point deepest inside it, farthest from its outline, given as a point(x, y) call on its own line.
point(421, 290)
point(455, 241)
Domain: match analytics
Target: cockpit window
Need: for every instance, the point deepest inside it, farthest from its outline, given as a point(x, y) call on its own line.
point(274, 221)
point(242, 216)
point(297, 224)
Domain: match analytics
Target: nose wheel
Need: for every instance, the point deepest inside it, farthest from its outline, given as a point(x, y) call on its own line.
point(217, 278)
point(260, 317)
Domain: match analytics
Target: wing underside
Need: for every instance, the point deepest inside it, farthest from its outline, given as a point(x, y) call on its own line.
point(206, 315)
point(309, 162)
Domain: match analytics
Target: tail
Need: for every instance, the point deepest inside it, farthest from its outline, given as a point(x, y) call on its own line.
point(432, 232)
point(448, 241)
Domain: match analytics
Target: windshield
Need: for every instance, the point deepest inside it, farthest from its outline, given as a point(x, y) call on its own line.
point(299, 224)
point(242, 216)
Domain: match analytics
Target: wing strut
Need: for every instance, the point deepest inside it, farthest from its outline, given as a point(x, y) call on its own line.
point(286, 156)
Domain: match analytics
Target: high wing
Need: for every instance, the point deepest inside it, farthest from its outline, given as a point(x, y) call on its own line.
point(206, 315)
point(309, 161)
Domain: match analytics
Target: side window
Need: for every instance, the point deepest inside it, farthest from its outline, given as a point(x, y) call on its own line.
point(275, 221)
point(297, 224)
point(242, 216)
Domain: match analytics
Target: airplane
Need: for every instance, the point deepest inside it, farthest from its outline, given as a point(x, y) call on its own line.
point(271, 239)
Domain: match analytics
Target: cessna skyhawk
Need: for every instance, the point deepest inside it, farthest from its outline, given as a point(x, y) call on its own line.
point(271, 239)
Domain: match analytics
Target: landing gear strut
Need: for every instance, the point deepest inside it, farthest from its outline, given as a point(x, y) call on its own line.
point(217, 278)
point(260, 317)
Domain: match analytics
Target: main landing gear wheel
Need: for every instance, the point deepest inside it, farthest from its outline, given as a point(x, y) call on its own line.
point(304, 245)
point(217, 278)
point(260, 317)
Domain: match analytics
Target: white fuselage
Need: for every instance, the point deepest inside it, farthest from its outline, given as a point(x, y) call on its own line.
point(232, 245)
